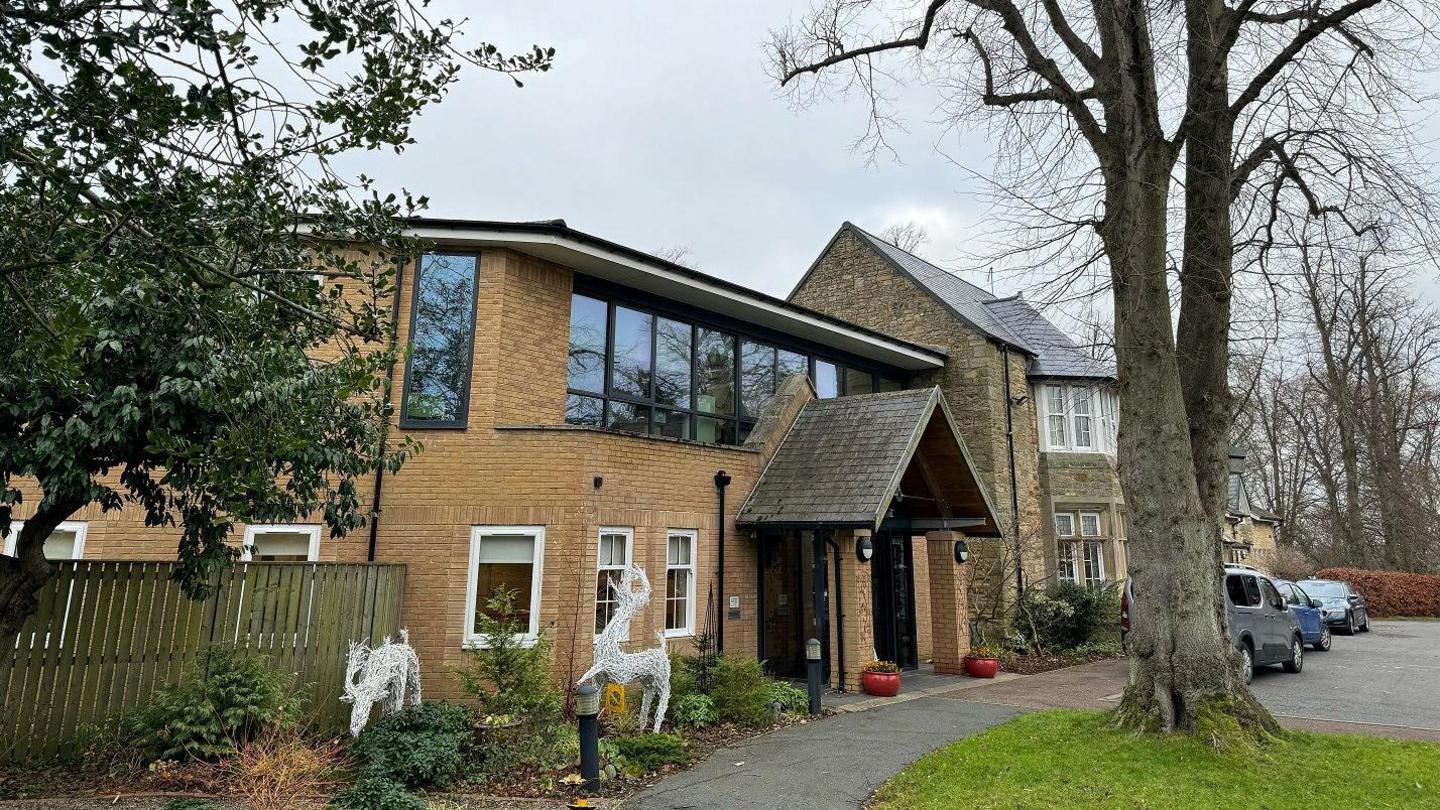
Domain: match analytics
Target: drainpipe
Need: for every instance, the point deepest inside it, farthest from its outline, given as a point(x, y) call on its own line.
point(385, 433)
point(839, 613)
point(722, 480)
point(1014, 480)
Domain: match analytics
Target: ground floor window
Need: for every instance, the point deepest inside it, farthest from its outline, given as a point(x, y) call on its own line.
point(614, 559)
point(680, 583)
point(1081, 562)
point(67, 542)
point(281, 544)
point(1094, 564)
point(506, 557)
point(1065, 562)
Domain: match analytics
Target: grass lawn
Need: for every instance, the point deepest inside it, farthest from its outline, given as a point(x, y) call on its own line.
point(1064, 759)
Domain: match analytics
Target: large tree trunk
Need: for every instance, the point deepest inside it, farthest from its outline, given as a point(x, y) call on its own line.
point(22, 576)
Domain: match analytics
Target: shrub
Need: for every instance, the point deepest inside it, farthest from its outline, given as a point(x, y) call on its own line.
point(682, 678)
point(1391, 593)
point(1062, 616)
point(704, 664)
point(275, 770)
point(648, 752)
point(739, 692)
point(509, 679)
point(218, 706)
point(693, 711)
point(419, 746)
point(377, 793)
point(792, 699)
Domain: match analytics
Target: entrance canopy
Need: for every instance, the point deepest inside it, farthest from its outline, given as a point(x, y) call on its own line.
point(856, 462)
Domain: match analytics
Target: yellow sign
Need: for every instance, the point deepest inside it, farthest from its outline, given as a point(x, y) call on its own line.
point(615, 698)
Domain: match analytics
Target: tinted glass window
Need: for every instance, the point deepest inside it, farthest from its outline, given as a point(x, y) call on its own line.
point(587, 344)
point(1288, 592)
point(1235, 589)
point(628, 417)
point(631, 371)
point(715, 382)
point(581, 410)
point(858, 382)
point(1252, 591)
point(672, 363)
point(441, 339)
point(827, 379)
point(757, 376)
point(1271, 595)
point(890, 385)
point(788, 364)
point(1300, 595)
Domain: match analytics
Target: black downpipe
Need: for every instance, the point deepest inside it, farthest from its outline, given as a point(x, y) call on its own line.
point(385, 434)
point(839, 613)
point(1014, 480)
point(722, 480)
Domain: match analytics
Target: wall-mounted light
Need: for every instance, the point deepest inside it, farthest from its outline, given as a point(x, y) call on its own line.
point(864, 549)
point(599, 481)
point(962, 551)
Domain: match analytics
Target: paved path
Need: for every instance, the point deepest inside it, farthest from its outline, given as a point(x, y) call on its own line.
point(836, 762)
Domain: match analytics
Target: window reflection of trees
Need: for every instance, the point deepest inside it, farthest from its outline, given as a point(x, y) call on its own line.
point(442, 338)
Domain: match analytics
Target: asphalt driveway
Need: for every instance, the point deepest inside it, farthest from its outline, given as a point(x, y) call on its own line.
point(1384, 682)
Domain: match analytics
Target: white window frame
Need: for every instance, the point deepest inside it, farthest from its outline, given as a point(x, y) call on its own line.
point(1102, 415)
point(1075, 395)
point(1047, 414)
point(693, 537)
point(629, 533)
point(1084, 571)
point(1068, 516)
point(472, 639)
point(77, 526)
point(1065, 554)
point(312, 554)
point(1098, 525)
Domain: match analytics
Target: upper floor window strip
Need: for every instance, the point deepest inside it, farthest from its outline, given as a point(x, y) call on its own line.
point(1079, 417)
point(442, 341)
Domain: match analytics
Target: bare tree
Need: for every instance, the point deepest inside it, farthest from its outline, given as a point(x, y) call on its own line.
point(907, 235)
point(1280, 110)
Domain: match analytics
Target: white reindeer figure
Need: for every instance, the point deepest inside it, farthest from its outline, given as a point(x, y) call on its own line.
point(386, 674)
point(613, 665)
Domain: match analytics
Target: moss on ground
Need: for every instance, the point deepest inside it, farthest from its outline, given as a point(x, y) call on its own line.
point(1072, 758)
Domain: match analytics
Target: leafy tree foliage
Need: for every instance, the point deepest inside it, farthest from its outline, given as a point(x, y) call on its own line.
point(191, 330)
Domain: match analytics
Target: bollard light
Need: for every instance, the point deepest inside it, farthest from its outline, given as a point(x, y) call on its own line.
point(812, 650)
point(812, 673)
point(587, 707)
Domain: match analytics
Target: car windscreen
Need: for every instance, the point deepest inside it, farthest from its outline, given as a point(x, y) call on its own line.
point(1327, 590)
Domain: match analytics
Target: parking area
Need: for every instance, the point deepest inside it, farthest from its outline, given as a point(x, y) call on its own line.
point(1383, 682)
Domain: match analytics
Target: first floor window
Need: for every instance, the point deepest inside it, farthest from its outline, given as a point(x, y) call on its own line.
point(1064, 524)
point(614, 558)
point(1094, 564)
point(1065, 562)
point(680, 584)
point(1089, 524)
point(1081, 407)
point(504, 560)
point(281, 544)
point(67, 542)
point(1055, 414)
point(442, 341)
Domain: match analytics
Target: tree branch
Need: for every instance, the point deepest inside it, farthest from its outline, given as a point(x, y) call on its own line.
point(1319, 25)
point(919, 41)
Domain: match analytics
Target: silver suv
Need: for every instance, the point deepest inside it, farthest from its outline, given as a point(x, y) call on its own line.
point(1262, 626)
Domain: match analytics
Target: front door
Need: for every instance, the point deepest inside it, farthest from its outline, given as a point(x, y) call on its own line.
point(892, 590)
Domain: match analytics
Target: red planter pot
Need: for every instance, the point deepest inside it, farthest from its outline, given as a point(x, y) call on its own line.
point(980, 667)
point(880, 684)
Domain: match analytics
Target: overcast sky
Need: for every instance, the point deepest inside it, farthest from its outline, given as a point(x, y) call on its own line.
point(659, 129)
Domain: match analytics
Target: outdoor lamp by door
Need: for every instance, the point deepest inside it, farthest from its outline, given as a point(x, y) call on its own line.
point(962, 551)
point(864, 549)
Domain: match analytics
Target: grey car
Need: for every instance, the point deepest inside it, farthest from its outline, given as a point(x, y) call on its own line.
point(1341, 605)
point(1262, 627)
point(1261, 624)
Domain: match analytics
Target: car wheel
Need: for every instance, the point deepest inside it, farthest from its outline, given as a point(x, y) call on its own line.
point(1247, 663)
point(1296, 661)
point(1349, 623)
point(1323, 645)
point(1365, 625)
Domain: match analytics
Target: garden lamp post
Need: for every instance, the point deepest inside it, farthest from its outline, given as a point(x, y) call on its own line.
point(587, 710)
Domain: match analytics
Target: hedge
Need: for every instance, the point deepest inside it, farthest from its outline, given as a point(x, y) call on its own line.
point(1391, 593)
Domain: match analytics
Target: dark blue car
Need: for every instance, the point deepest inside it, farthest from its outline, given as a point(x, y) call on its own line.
point(1313, 627)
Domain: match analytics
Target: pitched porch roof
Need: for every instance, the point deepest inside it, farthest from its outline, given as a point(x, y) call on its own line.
point(847, 461)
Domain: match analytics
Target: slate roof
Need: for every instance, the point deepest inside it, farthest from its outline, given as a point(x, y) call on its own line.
point(1237, 500)
point(842, 461)
point(1011, 321)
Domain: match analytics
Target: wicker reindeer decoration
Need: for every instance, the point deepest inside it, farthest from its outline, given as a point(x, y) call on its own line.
point(651, 668)
point(387, 675)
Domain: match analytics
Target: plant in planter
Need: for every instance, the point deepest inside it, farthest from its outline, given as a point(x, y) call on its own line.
point(982, 662)
point(880, 678)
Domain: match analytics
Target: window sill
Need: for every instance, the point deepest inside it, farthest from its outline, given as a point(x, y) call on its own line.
point(483, 642)
point(409, 425)
point(686, 633)
point(627, 434)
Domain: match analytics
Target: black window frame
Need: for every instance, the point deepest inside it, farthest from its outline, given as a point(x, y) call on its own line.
point(463, 422)
point(736, 332)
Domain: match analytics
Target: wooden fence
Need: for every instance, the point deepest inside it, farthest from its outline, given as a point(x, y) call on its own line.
point(108, 634)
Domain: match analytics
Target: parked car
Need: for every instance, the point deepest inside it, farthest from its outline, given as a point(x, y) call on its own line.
point(1262, 626)
point(1308, 613)
point(1342, 605)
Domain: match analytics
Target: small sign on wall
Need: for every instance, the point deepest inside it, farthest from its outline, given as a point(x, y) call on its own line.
point(734, 611)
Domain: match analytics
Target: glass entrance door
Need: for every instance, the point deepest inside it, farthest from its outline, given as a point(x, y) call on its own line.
point(892, 591)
